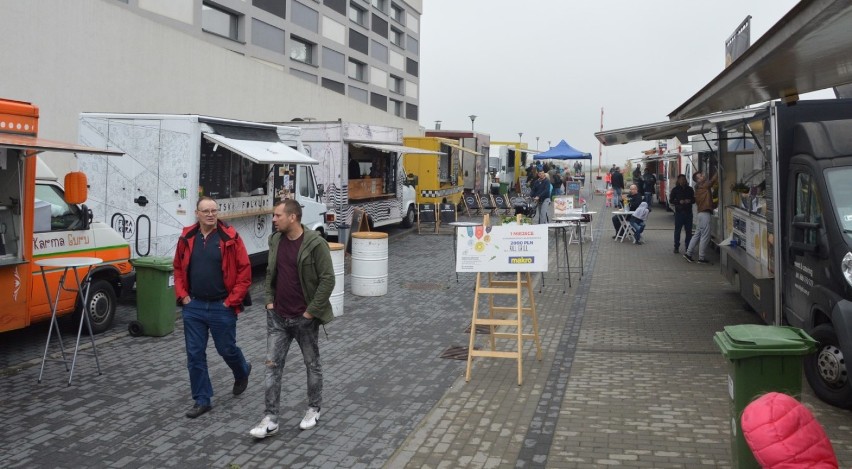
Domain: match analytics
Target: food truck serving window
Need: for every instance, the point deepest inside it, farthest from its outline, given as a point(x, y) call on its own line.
point(11, 163)
point(224, 174)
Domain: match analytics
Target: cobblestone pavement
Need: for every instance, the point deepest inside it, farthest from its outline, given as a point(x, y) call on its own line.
point(629, 377)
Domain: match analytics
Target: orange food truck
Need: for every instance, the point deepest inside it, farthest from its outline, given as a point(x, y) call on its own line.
point(39, 220)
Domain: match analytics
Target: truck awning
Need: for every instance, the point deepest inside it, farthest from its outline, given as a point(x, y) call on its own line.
point(677, 128)
point(397, 148)
point(453, 144)
point(261, 152)
point(27, 142)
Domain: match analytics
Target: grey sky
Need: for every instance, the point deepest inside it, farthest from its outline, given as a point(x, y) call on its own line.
point(546, 67)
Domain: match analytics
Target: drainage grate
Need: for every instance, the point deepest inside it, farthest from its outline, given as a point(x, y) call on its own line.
point(479, 329)
point(424, 286)
point(456, 352)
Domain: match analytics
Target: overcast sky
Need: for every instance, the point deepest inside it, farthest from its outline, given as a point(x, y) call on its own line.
point(547, 67)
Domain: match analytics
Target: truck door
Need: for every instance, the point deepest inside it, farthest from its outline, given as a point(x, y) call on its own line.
point(806, 244)
point(306, 194)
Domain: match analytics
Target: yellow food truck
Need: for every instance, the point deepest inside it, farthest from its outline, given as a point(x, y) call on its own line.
point(440, 178)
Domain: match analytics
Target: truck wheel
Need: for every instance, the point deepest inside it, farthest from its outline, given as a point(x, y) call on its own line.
point(408, 221)
point(135, 328)
point(826, 369)
point(102, 305)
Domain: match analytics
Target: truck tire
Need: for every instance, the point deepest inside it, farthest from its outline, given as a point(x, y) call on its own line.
point(102, 306)
point(826, 369)
point(409, 219)
point(135, 329)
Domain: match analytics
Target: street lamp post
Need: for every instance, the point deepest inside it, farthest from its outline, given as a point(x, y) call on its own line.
point(472, 118)
point(536, 143)
point(520, 137)
point(437, 125)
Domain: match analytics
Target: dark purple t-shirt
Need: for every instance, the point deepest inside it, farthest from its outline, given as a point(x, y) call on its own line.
point(289, 300)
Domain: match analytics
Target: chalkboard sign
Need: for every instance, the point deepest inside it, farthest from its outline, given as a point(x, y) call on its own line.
point(573, 187)
point(359, 220)
point(426, 213)
point(448, 213)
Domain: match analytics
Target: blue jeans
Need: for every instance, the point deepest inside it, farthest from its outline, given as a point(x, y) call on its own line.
point(648, 197)
point(280, 333)
point(683, 221)
point(617, 200)
point(199, 317)
point(638, 227)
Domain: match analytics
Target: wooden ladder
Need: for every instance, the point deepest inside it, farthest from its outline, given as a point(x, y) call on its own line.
point(504, 287)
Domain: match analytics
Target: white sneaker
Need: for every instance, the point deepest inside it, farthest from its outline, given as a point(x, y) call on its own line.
point(310, 420)
point(265, 428)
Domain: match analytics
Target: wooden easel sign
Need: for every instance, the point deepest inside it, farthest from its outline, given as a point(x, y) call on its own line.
point(359, 220)
point(504, 248)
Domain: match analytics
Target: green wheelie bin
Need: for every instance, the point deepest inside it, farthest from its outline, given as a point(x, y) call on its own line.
point(155, 297)
point(761, 359)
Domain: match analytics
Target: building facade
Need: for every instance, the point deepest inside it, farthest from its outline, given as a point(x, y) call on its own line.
point(260, 60)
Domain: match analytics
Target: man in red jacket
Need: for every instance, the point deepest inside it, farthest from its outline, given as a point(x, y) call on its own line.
point(212, 277)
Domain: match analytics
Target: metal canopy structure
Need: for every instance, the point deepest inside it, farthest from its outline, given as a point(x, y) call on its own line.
point(397, 148)
point(809, 49)
point(454, 144)
point(27, 142)
point(261, 152)
point(678, 128)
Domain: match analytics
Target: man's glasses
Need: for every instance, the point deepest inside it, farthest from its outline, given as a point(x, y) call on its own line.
point(208, 212)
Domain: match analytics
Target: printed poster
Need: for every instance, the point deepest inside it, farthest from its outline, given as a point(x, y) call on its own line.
point(505, 248)
point(562, 206)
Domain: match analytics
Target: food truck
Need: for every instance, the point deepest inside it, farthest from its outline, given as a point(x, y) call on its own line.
point(439, 177)
point(666, 165)
point(514, 158)
point(39, 220)
point(170, 160)
point(474, 164)
point(361, 168)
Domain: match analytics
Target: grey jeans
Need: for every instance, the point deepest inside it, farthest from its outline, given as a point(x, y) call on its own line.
point(280, 333)
point(701, 236)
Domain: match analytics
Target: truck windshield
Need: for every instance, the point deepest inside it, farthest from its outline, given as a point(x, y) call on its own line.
point(840, 194)
point(52, 213)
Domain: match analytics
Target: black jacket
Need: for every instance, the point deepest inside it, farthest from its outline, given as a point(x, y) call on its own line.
point(682, 198)
point(633, 201)
point(648, 182)
point(617, 180)
point(540, 189)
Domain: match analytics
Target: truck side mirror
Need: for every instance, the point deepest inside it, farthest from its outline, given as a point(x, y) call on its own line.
point(87, 216)
point(76, 187)
point(320, 190)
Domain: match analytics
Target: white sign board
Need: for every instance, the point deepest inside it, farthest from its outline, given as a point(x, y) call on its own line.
point(562, 206)
point(505, 248)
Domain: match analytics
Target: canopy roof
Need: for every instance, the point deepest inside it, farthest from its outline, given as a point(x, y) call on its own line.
point(261, 152)
point(563, 151)
point(28, 142)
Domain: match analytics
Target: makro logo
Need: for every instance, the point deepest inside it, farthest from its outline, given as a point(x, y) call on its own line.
point(522, 260)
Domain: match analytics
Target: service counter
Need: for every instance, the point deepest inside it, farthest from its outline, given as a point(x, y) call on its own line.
point(367, 188)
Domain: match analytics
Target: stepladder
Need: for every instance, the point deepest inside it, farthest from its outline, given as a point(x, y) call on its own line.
point(504, 321)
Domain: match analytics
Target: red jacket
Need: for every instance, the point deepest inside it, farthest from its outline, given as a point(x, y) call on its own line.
point(783, 434)
point(236, 268)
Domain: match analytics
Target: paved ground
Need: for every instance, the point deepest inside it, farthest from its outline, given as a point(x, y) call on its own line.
point(630, 377)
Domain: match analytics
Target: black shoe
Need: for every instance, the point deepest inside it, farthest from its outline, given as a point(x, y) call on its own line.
point(688, 258)
point(614, 236)
point(704, 261)
point(241, 384)
point(198, 410)
point(676, 251)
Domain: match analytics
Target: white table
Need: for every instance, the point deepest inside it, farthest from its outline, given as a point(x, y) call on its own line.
point(456, 225)
point(624, 229)
point(68, 263)
point(587, 218)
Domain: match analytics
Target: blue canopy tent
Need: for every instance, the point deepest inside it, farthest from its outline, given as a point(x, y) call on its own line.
point(563, 151)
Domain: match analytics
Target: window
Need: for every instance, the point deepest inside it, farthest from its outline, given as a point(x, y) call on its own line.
point(333, 85)
point(411, 111)
point(379, 101)
point(305, 178)
point(380, 26)
point(397, 13)
point(380, 5)
point(336, 5)
point(301, 50)
point(379, 51)
point(807, 210)
point(225, 174)
point(333, 60)
point(305, 17)
point(395, 84)
point(397, 37)
point(358, 14)
point(357, 70)
point(358, 41)
point(840, 195)
point(217, 21)
point(276, 7)
point(267, 36)
point(359, 94)
point(413, 45)
point(411, 66)
point(396, 107)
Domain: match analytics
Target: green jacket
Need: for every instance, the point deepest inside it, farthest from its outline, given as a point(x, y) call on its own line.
point(316, 273)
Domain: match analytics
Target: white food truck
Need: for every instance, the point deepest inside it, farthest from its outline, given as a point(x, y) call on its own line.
point(149, 194)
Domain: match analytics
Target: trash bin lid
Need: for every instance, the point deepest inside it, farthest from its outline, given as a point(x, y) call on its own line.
point(752, 340)
point(153, 262)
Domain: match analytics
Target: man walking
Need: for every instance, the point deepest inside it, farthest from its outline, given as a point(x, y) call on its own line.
point(617, 186)
point(704, 202)
point(299, 282)
point(212, 276)
point(540, 194)
point(649, 182)
point(682, 197)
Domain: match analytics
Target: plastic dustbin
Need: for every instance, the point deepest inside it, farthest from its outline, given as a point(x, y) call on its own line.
point(155, 297)
point(761, 359)
point(504, 187)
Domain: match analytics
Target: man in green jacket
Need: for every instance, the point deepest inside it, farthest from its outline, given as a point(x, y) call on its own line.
point(299, 282)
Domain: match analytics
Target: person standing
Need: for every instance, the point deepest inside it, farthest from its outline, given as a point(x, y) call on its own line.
point(618, 186)
point(682, 197)
point(649, 182)
point(637, 178)
point(212, 277)
point(299, 283)
point(704, 204)
point(540, 193)
point(634, 200)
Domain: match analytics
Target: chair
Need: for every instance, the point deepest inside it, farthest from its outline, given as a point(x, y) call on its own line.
point(486, 203)
point(471, 203)
point(501, 203)
point(448, 213)
point(426, 214)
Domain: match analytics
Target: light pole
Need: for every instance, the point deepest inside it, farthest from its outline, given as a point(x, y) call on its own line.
point(520, 137)
point(548, 144)
point(536, 143)
point(472, 118)
point(437, 125)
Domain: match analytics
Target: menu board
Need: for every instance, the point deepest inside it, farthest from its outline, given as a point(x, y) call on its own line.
point(504, 248)
point(214, 178)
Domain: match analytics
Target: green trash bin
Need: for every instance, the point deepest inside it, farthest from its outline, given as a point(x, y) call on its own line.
point(761, 359)
point(155, 297)
point(504, 187)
